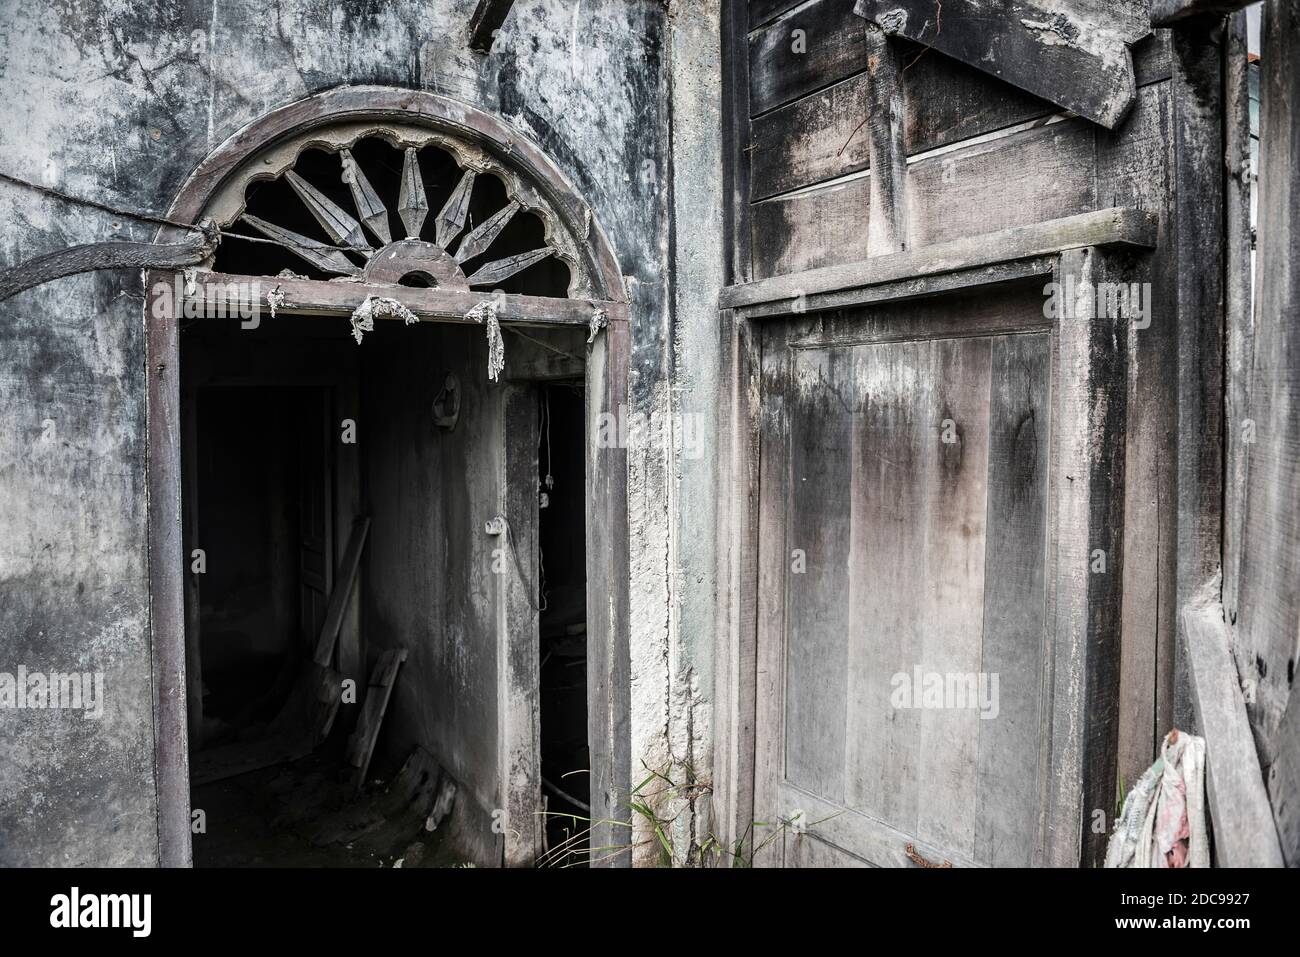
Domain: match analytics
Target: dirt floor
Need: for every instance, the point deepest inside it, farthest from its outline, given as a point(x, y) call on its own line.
point(302, 815)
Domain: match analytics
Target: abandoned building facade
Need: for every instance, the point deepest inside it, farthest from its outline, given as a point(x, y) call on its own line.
point(629, 432)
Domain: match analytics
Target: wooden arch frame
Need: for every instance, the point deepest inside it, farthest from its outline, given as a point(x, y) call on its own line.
point(608, 561)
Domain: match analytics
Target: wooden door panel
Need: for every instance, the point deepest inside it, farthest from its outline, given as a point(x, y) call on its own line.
point(911, 525)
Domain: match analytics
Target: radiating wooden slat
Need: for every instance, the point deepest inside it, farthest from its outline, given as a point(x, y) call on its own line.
point(310, 250)
point(500, 269)
point(477, 241)
point(342, 228)
point(370, 207)
point(412, 202)
point(451, 218)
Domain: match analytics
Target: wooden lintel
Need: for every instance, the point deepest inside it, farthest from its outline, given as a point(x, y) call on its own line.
point(487, 20)
point(1081, 66)
point(222, 294)
point(1244, 832)
point(1116, 226)
point(1165, 13)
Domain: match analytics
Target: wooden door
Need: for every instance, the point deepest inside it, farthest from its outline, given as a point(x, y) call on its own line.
point(903, 639)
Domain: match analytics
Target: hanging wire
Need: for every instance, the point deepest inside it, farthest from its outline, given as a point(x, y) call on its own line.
point(160, 220)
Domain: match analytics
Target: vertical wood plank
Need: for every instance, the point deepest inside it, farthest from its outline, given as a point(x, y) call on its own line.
point(166, 583)
point(1269, 620)
point(952, 597)
point(609, 700)
point(1199, 225)
point(1010, 744)
point(821, 403)
point(891, 438)
point(772, 594)
point(886, 117)
point(518, 640)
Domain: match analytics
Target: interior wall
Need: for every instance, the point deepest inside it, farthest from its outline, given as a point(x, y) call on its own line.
point(118, 104)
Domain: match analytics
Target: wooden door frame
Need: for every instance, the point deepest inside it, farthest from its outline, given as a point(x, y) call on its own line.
point(1089, 359)
point(607, 533)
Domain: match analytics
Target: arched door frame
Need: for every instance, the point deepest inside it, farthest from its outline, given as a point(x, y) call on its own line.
point(608, 659)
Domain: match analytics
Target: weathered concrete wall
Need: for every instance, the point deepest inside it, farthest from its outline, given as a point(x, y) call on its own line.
point(118, 102)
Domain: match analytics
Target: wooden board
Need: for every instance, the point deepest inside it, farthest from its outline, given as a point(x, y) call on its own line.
point(361, 745)
point(891, 523)
point(1079, 61)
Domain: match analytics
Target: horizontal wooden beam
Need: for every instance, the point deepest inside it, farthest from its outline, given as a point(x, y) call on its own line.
point(231, 295)
point(488, 17)
point(1166, 13)
point(1244, 832)
point(1116, 226)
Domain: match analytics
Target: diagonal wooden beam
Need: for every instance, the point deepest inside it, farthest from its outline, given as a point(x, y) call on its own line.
point(1038, 45)
point(487, 20)
point(1166, 13)
point(109, 255)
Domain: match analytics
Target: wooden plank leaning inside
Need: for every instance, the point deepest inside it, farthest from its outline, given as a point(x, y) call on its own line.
point(1242, 822)
point(308, 713)
point(361, 745)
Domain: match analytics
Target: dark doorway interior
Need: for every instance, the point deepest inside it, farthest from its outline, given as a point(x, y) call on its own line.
point(563, 623)
point(265, 478)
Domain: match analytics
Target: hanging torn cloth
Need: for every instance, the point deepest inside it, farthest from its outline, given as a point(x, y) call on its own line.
point(486, 312)
point(364, 316)
point(1163, 821)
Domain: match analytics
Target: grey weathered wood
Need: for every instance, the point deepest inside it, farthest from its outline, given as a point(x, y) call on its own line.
point(1269, 620)
point(609, 677)
point(735, 662)
point(108, 255)
point(1015, 589)
point(1244, 834)
point(1198, 177)
point(1167, 13)
point(1106, 227)
point(950, 605)
point(817, 407)
point(1073, 61)
point(1239, 319)
point(167, 580)
point(1284, 784)
point(1086, 516)
point(821, 135)
point(340, 595)
point(736, 136)
point(306, 297)
point(488, 17)
point(518, 641)
point(361, 744)
point(886, 115)
point(894, 431)
point(906, 494)
point(771, 489)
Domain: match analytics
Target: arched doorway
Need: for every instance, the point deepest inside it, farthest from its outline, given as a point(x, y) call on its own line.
point(365, 207)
